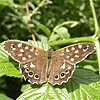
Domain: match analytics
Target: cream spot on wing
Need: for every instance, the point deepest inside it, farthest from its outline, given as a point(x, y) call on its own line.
point(20, 54)
point(24, 58)
point(84, 50)
point(76, 51)
point(27, 47)
point(94, 48)
point(12, 44)
point(62, 54)
point(69, 67)
point(32, 65)
point(29, 56)
point(26, 65)
point(13, 48)
point(19, 44)
point(76, 56)
point(36, 53)
point(79, 46)
point(29, 81)
point(32, 50)
point(21, 50)
point(87, 46)
point(67, 57)
point(72, 59)
point(67, 50)
point(73, 48)
point(63, 66)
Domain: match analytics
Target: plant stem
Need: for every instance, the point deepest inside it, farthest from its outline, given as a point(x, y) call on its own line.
point(30, 21)
point(37, 8)
point(98, 53)
point(95, 19)
point(72, 40)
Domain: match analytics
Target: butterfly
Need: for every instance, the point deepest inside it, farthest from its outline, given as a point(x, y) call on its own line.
point(55, 67)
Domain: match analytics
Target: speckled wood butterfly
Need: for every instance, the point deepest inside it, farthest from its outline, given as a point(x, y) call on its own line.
point(39, 66)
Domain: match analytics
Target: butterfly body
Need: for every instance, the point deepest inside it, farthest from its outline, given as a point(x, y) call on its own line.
point(39, 66)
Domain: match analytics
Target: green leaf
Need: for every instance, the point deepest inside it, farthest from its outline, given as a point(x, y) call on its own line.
point(63, 32)
point(24, 87)
point(4, 97)
point(42, 37)
point(6, 2)
point(69, 23)
point(54, 37)
point(66, 23)
point(45, 92)
point(38, 44)
point(83, 85)
point(46, 30)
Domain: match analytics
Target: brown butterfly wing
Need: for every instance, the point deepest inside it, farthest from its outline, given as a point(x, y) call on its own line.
point(32, 60)
point(35, 70)
point(64, 60)
point(76, 52)
point(60, 71)
point(22, 52)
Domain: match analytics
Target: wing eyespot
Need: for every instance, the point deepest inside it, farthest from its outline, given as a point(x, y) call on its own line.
point(36, 76)
point(30, 74)
point(62, 75)
point(56, 77)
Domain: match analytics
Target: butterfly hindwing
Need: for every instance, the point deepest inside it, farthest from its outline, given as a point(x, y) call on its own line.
point(34, 71)
point(61, 71)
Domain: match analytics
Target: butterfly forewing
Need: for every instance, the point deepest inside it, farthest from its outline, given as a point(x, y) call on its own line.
point(76, 52)
point(22, 52)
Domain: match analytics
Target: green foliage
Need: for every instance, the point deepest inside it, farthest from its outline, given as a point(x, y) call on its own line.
point(4, 97)
point(53, 24)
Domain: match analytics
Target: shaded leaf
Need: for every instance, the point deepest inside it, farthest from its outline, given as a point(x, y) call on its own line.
point(54, 37)
point(63, 32)
point(81, 85)
point(4, 97)
point(44, 29)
